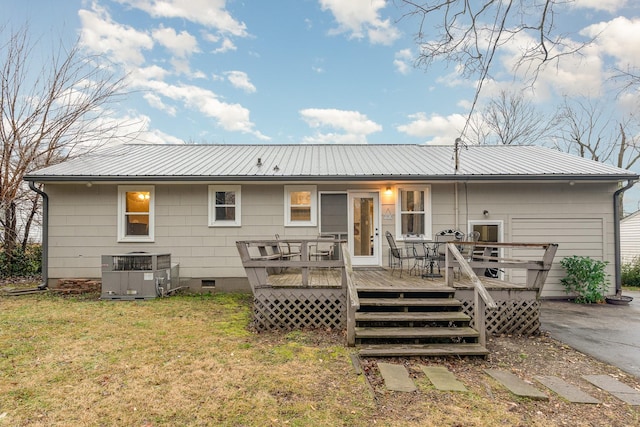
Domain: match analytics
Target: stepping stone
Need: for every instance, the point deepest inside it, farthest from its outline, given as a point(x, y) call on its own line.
point(567, 391)
point(396, 377)
point(442, 378)
point(620, 390)
point(516, 385)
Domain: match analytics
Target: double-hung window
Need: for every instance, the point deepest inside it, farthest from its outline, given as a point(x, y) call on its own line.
point(136, 213)
point(300, 205)
point(224, 206)
point(413, 211)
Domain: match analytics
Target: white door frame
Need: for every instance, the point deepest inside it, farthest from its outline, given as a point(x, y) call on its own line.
point(376, 258)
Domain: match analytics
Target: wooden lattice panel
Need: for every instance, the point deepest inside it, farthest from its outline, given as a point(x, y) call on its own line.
point(288, 309)
point(514, 317)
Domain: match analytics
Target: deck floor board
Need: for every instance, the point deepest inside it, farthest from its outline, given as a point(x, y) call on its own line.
point(377, 278)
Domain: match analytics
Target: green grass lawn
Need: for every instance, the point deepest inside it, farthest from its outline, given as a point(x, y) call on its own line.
point(184, 360)
point(194, 361)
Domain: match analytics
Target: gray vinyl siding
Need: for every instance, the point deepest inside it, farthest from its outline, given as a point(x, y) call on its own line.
point(630, 238)
point(83, 222)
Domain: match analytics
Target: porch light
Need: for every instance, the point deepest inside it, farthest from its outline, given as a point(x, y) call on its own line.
point(388, 191)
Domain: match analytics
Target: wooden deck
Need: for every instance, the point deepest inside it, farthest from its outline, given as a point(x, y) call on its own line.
point(378, 277)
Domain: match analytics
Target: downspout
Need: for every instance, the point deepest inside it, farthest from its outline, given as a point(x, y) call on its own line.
point(45, 235)
point(616, 235)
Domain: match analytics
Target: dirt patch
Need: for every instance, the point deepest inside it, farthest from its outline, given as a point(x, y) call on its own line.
point(526, 357)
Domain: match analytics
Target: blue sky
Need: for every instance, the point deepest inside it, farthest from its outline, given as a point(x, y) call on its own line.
point(309, 71)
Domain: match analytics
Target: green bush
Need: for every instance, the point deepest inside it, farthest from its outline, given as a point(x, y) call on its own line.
point(586, 278)
point(21, 263)
point(631, 273)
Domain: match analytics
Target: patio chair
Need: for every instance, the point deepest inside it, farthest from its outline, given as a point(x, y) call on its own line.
point(323, 248)
point(287, 250)
point(397, 256)
point(441, 239)
point(421, 254)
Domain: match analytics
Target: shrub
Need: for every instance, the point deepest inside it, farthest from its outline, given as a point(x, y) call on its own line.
point(631, 273)
point(586, 278)
point(21, 263)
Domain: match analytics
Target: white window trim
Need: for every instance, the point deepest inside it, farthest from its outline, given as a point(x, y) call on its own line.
point(213, 222)
point(288, 189)
point(428, 226)
point(122, 206)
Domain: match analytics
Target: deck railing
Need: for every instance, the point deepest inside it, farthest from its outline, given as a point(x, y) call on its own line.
point(482, 300)
point(263, 257)
point(353, 301)
point(537, 272)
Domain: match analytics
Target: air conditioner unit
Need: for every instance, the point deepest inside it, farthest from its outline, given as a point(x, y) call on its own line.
point(136, 275)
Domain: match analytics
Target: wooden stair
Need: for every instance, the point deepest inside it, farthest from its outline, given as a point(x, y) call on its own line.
point(413, 322)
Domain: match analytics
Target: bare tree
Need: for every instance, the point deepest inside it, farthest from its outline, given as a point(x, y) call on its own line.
point(514, 120)
point(589, 130)
point(51, 110)
point(470, 33)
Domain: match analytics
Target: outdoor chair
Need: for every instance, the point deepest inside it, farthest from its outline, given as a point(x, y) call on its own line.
point(323, 248)
point(287, 250)
point(441, 239)
point(421, 255)
point(398, 257)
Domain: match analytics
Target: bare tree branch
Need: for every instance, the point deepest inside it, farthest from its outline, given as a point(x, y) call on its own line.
point(48, 115)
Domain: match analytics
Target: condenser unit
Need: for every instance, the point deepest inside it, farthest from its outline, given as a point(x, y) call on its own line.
point(136, 275)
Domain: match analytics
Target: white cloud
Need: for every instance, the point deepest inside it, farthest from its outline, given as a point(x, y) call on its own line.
point(180, 45)
point(356, 126)
point(360, 17)
point(156, 102)
point(226, 46)
point(210, 13)
point(122, 43)
point(231, 117)
point(440, 129)
point(610, 6)
point(618, 38)
point(403, 60)
point(240, 80)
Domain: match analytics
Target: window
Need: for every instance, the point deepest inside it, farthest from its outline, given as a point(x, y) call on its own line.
point(414, 213)
point(300, 205)
point(135, 213)
point(224, 206)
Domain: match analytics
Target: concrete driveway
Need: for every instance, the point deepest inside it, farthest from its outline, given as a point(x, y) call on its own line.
point(610, 333)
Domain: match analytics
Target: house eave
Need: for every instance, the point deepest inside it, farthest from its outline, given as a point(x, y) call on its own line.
point(327, 178)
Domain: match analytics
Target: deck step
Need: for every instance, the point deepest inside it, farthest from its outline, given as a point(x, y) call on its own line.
point(410, 302)
point(425, 332)
point(393, 350)
point(395, 289)
point(428, 316)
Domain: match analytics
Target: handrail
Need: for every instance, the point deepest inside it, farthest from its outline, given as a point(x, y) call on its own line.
point(353, 301)
point(270, 260)
point(466, 268)
point(481, 297)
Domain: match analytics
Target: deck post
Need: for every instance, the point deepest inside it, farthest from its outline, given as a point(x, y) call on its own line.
point(479, 317)
point(353, 302)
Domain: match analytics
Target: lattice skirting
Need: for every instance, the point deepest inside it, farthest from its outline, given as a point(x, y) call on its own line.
point(514, 316)
point(288, 309)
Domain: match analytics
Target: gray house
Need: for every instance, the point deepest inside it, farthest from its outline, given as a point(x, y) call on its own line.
point(196, 201)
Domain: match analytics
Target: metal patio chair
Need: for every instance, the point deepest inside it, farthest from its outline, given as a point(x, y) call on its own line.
point(398, 257)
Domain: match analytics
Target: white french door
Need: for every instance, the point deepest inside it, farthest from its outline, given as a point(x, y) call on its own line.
point(364, 228)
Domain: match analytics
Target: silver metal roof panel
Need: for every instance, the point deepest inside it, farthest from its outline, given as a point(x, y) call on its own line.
point(400, 161)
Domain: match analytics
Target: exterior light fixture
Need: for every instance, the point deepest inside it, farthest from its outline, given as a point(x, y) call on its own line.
point(388, 191)
point(485, 212)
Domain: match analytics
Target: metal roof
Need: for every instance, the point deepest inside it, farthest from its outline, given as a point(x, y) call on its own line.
point(325, 162)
